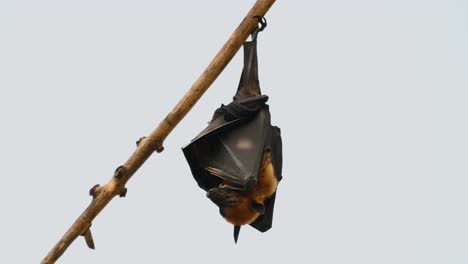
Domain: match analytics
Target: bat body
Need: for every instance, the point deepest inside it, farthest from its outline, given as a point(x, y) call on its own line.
point(237, 159)
point(241, 207)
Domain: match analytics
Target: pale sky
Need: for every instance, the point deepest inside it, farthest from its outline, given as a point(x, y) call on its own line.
point(371, 97)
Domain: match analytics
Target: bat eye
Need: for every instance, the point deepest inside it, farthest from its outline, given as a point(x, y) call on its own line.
point(257, 207)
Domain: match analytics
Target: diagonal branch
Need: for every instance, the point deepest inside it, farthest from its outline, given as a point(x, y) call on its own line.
point(102, 195)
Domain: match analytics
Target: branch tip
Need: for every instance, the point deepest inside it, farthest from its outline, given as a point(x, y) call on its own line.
point(88, 238)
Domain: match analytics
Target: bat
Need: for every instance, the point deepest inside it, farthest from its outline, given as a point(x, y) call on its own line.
point(237, 159)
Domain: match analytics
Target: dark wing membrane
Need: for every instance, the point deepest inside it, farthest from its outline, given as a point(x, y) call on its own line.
point(265, 221)
point(232, 154)
point(276, 146)
point(240, 152)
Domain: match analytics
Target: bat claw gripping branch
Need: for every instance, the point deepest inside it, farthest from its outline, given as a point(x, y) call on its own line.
point(263, 24)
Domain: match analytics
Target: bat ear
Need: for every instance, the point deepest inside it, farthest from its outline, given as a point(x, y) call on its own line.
point(257, 207)
point(236, 233)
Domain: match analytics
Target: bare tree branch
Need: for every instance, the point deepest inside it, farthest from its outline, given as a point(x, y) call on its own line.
point(102, 195)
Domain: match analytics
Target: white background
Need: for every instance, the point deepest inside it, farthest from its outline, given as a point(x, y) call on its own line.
point(371, 97)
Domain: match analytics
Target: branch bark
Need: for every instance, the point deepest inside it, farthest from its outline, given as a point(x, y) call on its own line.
point(102, 195)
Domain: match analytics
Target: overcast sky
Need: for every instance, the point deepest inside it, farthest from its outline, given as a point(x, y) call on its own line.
point(371, 97)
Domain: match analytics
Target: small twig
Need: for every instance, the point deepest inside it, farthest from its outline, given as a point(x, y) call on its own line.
point(89, 238)
point(154, 142)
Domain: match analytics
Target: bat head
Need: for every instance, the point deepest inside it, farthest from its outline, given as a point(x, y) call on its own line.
point(224, 197)
point(236, 206)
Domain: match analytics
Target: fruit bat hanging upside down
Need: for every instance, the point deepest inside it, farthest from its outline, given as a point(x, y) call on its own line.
point(237, 159)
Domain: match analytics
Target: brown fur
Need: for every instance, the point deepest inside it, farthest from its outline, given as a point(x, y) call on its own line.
point(243, 214)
